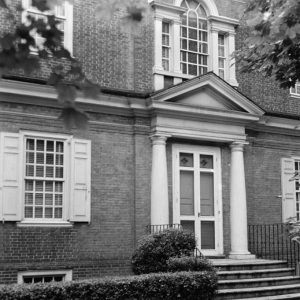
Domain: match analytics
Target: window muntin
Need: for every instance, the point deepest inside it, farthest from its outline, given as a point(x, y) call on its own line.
point(295, 90)
point(221, 55)
point(44, 178)
point(194, 40)
point(166, 46)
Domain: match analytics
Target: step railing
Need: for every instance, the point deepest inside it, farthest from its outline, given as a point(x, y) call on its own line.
point(273, 241)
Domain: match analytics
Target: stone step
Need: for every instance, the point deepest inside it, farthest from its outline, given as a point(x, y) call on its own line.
point(256, 264)
point(248, 274)
point(258, 282)
point(229, 294)
point(278, 297)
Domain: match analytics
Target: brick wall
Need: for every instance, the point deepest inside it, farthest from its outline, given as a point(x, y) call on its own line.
point(263, 174)
point(112, 55)
point(120, 204)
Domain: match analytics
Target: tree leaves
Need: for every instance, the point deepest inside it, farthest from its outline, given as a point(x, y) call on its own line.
point(273, 46)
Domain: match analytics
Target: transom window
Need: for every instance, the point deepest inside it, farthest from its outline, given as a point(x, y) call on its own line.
point(44, 178)
point(194, 40)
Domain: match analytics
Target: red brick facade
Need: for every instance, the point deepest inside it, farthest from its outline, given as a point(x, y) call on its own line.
point(121, 154)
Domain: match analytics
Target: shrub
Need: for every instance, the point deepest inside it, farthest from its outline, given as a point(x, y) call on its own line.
point(188, 263)
point(154, 250)
point(167, 286)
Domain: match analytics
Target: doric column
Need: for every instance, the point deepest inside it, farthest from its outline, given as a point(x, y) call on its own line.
point(238, 205)
point(159, 182)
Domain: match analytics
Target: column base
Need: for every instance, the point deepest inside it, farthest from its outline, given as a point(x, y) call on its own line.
point(241, 256)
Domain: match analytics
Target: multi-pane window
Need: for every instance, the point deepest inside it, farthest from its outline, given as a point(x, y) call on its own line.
point(60, 14)
point(43, 278)
point(296, 90)
point(221, 55)
point(297, 189)
point(30, 277)
point(166, 46)
point(44, 179)
point(194, 40)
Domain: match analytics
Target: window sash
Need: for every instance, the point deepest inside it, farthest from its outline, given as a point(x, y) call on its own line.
point(194, 46)
point(166, 46)
point(44, 193)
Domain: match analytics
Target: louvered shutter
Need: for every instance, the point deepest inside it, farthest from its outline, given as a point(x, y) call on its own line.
point(10, 178)
point(80, 201)
point(288, 189)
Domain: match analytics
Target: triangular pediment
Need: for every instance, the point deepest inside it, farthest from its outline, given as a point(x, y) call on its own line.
point(208, 91)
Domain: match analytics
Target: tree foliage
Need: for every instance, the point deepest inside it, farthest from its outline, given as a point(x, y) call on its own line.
point(273, 47)
point(67, 76)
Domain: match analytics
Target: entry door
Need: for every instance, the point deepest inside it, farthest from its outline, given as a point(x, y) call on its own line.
point(197, 195)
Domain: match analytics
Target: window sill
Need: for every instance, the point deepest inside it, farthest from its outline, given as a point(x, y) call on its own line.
point(44, 224)
point(172, 74)
point(295, 95)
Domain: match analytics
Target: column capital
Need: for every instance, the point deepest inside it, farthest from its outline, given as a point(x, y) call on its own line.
point(238, 146)
point(159, 139)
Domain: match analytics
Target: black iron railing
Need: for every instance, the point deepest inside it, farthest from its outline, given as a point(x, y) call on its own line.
point(160, 228)
point(272, 241)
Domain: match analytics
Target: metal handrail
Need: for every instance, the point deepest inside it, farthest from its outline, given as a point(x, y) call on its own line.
point(273, 241)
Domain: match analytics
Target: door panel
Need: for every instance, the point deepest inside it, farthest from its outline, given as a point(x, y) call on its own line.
point(187, 193)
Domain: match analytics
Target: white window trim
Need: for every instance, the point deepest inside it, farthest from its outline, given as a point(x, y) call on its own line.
point(68, 24)
point(66, 194)
point(68, 274)
point(297, 95)
point(216, 24)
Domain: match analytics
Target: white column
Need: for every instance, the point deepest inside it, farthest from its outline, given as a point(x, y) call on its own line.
point(238, 205)
point(159, 182)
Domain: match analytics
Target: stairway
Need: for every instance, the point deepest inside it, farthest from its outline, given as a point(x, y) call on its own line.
point(256, 280)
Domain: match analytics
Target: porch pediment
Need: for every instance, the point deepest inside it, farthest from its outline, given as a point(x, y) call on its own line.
point(209, 92)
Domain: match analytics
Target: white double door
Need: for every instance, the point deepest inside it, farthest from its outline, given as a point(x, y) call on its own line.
point(197, 195)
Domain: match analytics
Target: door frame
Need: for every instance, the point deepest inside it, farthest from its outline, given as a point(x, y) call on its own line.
point(218, 208)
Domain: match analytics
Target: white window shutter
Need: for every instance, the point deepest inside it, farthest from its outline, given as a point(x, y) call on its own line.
point(80, 201)
point(288, 189)
point(10, 178)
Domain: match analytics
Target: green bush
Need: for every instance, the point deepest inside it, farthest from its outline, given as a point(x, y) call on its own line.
point(154, 250)
point(167, 286)
point(188, 263)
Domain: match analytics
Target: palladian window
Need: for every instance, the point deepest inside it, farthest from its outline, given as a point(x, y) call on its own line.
point(194, 39)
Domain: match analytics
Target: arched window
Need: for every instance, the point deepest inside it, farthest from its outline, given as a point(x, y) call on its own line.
point(194, 39)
